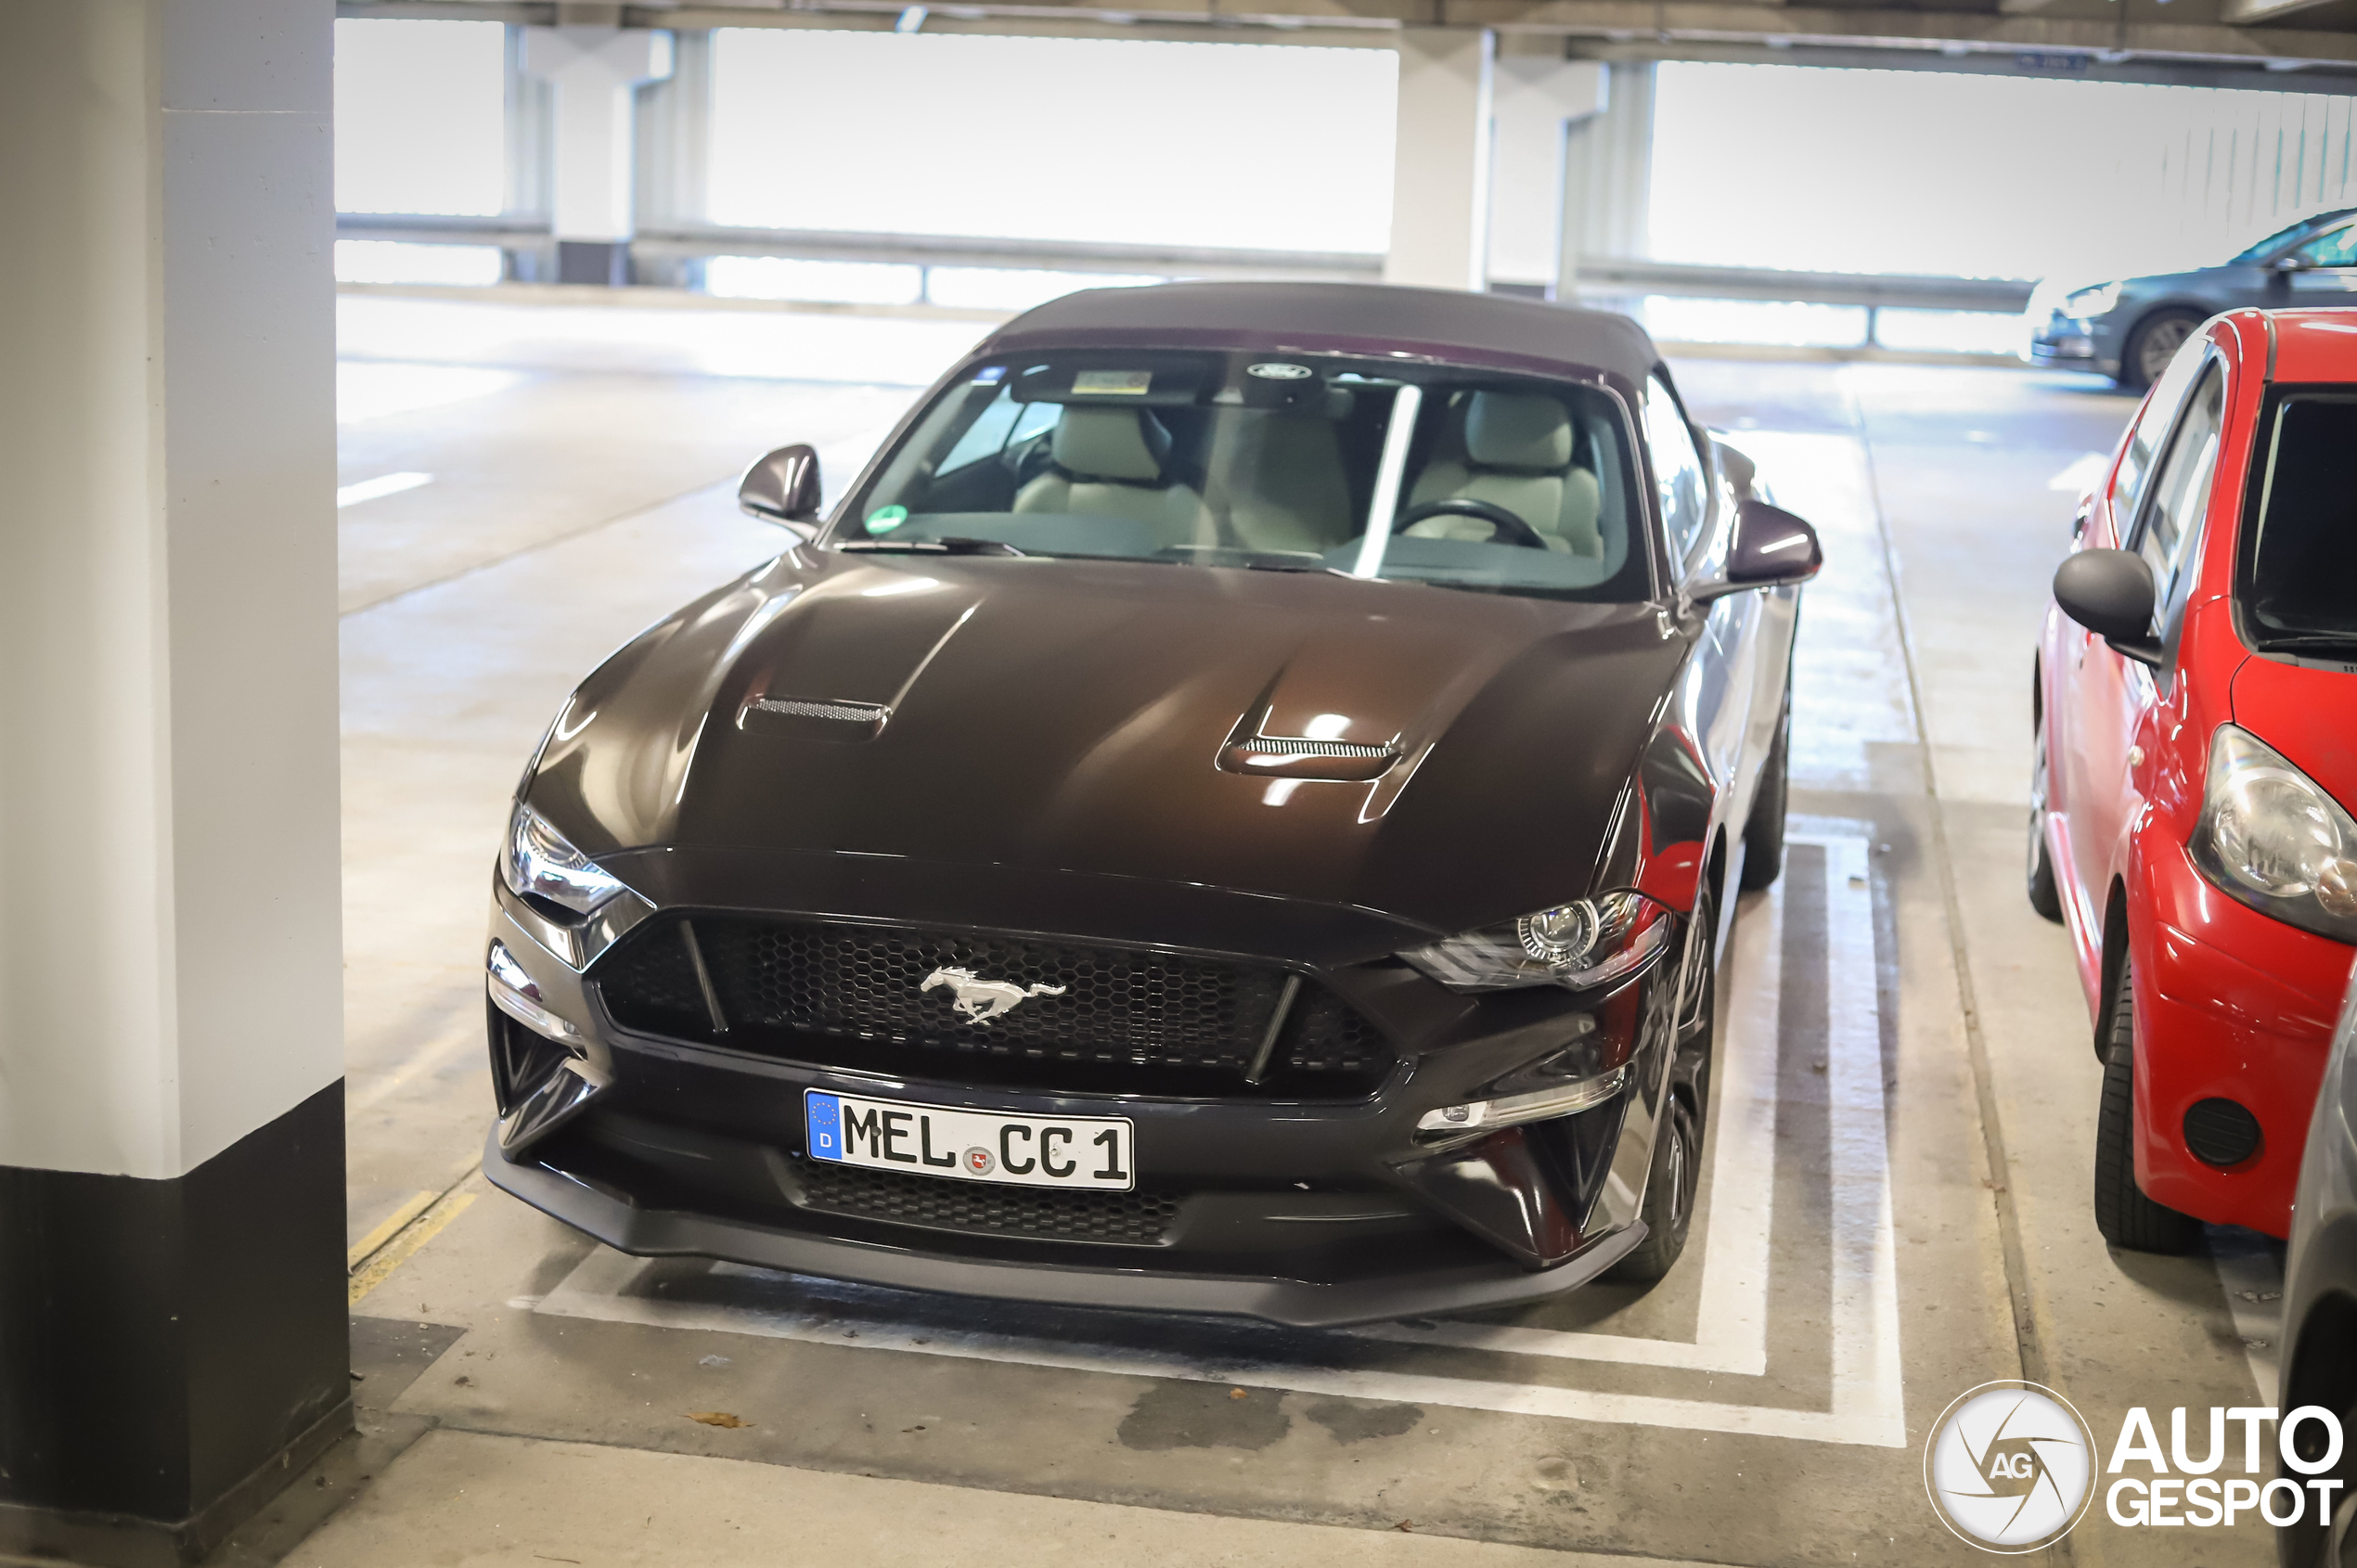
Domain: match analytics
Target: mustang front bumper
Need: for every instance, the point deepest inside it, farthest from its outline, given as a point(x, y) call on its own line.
point(1275, 1202)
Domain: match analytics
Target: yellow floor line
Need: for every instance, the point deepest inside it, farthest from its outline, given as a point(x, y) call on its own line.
point(400, 1249)
point(384, 1232)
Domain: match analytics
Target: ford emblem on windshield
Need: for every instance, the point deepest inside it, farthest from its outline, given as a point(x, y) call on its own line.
point(1278, 371)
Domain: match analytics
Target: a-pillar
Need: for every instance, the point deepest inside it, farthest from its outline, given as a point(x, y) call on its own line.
point(1608, 169)
point(595, 73)
point(172, 1298)
point(1536, 100)
point(1440, 167)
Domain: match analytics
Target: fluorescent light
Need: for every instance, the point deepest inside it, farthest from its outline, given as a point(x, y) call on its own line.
point(383, 485)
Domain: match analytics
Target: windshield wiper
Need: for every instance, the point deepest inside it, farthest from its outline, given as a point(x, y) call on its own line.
point(2292, 640)
point(953, 545)
point(1235, 556)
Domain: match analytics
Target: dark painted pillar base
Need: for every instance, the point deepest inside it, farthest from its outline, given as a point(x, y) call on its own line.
point(172, 1352)
point(593, 260)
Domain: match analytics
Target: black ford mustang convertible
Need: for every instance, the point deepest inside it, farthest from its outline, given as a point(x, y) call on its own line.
point(1235, 811)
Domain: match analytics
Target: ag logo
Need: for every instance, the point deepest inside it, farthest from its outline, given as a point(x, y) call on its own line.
point(2010, 1467)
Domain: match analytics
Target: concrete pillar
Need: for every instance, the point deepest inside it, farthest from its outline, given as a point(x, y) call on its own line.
point(673, 158)
point(1440, 179)
point(1535, 101)
point(1608, 171)
point(172, 1314)
point(595, 72)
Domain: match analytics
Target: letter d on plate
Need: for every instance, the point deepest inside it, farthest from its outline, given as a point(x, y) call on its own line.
point(824, 1113)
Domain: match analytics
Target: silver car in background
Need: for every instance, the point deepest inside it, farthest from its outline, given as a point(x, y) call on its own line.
point(2320, 1302)
point(2129, 328)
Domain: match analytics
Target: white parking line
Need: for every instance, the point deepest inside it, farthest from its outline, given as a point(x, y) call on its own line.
point(2252, 1276)
point(383, 485)
point(1866, 1399)
point(2084, 473)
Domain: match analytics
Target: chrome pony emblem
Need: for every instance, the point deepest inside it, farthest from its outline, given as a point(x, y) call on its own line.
point(979, 1000)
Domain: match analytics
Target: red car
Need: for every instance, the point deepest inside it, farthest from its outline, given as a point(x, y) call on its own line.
point(2195, 793)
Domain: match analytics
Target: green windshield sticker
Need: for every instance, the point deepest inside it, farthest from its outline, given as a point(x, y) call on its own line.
point(1112, 383)
point(883, 520)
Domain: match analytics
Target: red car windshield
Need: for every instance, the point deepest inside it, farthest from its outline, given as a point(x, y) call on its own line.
point(2298, 581)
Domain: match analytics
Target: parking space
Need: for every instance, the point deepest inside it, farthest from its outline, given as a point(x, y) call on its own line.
point(1870, 1242)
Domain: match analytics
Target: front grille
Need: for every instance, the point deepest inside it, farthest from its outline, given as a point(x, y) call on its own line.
point(1089, 1019)
point(1135, 1219)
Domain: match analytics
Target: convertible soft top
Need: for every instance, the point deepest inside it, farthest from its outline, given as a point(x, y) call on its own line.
point(1361, 317)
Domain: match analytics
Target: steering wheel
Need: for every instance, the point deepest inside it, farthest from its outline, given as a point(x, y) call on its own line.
point(1504, 526)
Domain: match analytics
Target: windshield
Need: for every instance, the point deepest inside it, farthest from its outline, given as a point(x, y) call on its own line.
point(2280, 238)
point(1486, 481)
point(2298, 581)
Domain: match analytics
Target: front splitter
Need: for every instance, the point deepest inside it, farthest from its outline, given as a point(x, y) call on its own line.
point(1294, 1303)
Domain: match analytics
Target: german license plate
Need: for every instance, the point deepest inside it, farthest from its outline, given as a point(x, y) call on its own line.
point(1090, 1152)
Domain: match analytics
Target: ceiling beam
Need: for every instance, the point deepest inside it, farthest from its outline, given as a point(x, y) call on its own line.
point(2054, 41)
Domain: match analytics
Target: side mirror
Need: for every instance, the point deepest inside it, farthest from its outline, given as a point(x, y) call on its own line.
point(2110, 593)
point(2294, 263)
point(1769, 548)
point(784, 488)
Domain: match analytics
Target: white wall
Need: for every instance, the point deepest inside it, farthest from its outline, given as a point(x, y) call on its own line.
point(1927, 172)
point(1263, 146)
point(421, 116)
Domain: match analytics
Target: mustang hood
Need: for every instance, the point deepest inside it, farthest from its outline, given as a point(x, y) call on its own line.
point(1446, 757)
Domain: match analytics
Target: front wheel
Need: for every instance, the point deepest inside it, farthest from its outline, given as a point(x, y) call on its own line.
point(1676, 1172)
point(2126, 1217)
point(2152, 345)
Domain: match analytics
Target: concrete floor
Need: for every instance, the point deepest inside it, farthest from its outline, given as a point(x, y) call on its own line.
point(1895, 1205)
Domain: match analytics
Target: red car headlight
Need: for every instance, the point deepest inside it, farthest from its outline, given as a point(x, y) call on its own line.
point(2270, 837)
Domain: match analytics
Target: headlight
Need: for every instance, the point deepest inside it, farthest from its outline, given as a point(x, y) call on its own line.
point(1585, 943)
point(2097, 301)
point(2270, 838)
point(538, 863)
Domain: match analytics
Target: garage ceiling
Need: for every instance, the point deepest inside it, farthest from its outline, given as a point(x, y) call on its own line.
point(2285, 45)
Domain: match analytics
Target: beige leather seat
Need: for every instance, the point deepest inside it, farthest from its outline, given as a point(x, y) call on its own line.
point(1279, 481)
point(1517, 454)
point(1109, 462)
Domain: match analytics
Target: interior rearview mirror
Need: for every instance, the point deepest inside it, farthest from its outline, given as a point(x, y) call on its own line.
point(1770, 547)
point(784, 488)
point(2110, 593)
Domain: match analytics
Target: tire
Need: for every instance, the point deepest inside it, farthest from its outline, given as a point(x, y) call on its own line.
point(2152, 344)
point(2045, 895)
point(1676, 1171)
point(1764, 834)
point(2126, 1217)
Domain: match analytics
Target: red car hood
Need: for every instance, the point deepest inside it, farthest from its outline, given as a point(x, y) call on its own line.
point(2309, 714)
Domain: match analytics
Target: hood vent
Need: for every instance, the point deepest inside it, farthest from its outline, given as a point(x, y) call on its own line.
point(1286, 746)
point(1302, 756)
point(814, 719)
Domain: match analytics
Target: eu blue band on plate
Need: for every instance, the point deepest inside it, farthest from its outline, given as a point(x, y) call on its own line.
point(824, 1118)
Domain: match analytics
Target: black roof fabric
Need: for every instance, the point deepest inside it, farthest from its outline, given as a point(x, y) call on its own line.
point(1255, 314)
